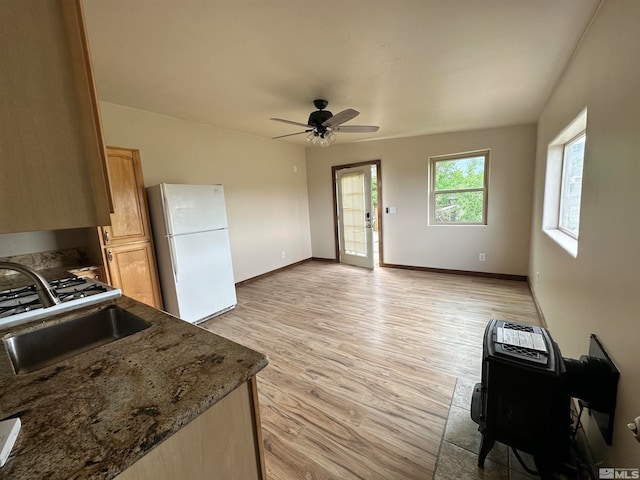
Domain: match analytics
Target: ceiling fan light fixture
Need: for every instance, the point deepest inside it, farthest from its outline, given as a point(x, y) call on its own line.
point(311, 136)
point(327, 138)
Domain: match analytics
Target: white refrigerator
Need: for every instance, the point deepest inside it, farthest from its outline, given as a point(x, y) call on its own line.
point(189, 225)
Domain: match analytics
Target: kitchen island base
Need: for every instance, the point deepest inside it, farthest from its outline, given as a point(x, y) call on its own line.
point(225, 442)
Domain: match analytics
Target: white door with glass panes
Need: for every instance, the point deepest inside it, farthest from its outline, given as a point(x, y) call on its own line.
point(355, 216)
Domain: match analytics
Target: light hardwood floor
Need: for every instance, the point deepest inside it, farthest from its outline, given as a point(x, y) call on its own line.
point(363, 364)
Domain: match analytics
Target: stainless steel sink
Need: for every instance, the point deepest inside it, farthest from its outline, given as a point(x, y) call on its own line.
point(34, 349)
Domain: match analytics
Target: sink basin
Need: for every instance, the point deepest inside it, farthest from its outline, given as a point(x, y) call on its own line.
point(34, 349)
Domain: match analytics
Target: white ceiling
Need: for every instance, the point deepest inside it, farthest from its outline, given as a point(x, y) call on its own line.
point(413, 67)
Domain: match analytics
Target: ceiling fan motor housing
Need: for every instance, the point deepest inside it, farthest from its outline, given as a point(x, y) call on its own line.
point(316, 119)
point(320, 103)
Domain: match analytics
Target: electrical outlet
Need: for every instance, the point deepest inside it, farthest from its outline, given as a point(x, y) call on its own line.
point(482, 257)
point(283, 254)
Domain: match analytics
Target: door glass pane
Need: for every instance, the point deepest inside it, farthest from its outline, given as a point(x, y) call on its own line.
point(353, 214)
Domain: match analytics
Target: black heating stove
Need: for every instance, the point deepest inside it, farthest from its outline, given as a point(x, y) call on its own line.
point(521, 401)
point(524, 399)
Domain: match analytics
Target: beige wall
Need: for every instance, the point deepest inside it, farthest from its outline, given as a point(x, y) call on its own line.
point(597, 292)
point(43, 241)
point(266, 200)
point(408, 239)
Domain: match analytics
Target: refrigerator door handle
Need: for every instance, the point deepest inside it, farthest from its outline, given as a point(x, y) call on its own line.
point(174, 264)
point(167, 211)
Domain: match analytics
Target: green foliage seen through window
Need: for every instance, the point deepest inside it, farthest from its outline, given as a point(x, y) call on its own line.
point(459, 190)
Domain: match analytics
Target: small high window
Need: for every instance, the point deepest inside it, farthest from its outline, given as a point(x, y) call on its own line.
point(459, 189)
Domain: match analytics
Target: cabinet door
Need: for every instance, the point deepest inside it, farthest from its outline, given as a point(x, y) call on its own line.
point(132, 269)
point(130, 220)
point(51, 148)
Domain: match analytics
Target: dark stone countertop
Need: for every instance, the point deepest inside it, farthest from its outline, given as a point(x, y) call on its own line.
point(95, 414)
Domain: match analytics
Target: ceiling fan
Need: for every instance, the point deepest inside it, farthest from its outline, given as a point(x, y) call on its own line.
point(323, 124)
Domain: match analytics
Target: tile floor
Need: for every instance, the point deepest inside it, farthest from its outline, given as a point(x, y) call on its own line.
point(458, 457)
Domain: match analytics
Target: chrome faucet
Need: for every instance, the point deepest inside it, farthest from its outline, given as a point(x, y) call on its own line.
point(43, 289)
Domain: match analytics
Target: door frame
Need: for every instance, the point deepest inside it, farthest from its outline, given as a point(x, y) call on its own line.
point(378, 219)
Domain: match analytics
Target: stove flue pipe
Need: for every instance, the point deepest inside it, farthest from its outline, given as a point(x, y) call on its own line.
point(591, 380)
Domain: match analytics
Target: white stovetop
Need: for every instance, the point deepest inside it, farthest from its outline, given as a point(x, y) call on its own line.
point(40, 313)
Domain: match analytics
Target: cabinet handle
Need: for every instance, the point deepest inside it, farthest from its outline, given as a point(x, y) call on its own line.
point(106, 236)
point(110, 255)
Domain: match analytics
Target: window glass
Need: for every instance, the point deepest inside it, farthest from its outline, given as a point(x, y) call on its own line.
point(571, 191)
point(461, 173)
point(459, 191)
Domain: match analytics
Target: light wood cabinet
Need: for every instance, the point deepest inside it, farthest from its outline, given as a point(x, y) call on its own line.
point(130, 217)
point(126, 244)
point(52, 168)
point(225, 443)
point(132, 269)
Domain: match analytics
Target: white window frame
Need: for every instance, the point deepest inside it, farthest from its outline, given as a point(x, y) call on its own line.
point(484, 189)
point(553, 184)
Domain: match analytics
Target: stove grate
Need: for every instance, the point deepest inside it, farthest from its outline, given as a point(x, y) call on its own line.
point(518, 326)
point(521, 351)
point(19, 300)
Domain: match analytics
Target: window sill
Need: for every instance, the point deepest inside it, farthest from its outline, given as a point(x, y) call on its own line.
point(459, 224)
point(570, 244)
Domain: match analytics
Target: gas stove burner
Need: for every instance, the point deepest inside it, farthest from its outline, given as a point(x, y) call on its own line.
point(22, 308)
point(70, 291)
point(13, 305)
point(13, 308)
point(67, 282)
point(15, 293)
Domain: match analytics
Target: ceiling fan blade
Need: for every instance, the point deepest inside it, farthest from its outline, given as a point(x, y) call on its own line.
point(290, 122)
point(341, 117)
point(292, 134)
point(356, 129)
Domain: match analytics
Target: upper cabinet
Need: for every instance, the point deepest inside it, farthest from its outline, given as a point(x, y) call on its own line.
point(130, 220)
point(52, 156)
